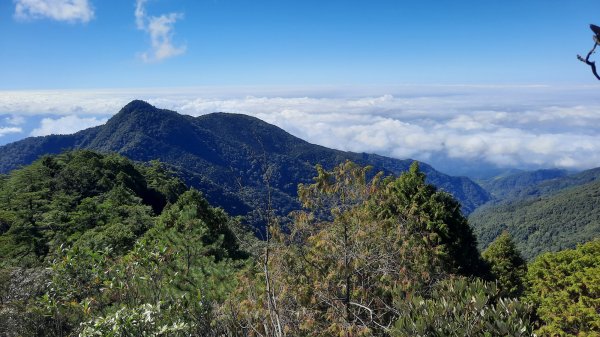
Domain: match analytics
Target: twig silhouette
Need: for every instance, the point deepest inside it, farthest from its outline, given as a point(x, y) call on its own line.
point(587, 61)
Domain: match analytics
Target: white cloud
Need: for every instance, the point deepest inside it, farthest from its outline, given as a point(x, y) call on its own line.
point(140, 14)
point(15, 120)
point(161, 31)
point(6, 130)
point(59, 10)
point(522, 127)
point(65, 125)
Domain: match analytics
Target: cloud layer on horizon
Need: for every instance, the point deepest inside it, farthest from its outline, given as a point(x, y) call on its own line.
point(516, 127)
point(65, 125)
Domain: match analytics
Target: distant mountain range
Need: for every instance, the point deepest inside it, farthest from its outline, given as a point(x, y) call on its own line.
point(227, 156)
point(543, 210)
point(518, 184)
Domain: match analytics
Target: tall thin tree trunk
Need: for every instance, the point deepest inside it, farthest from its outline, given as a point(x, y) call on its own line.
point(270, 292)
point(348, 281)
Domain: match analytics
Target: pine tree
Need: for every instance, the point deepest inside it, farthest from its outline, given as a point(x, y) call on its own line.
point(361, 244)
point(436, 216)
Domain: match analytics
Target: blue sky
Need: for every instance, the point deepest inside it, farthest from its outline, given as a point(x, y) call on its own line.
point(285, 42)
point(485, 82)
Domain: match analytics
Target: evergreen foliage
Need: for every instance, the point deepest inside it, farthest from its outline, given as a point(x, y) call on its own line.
point(78, 198)
point(507, 267)
point(145, 320)
point(565, 288)
point(130, 251)
point(361, 245)
point(95, 245)
point(521, 184)
point(435, 213)
point(461, 307)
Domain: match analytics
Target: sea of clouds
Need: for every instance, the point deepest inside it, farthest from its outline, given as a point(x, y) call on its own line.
point(503, 126)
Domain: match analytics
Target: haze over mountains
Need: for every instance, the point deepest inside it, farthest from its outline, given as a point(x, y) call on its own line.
point(224, 155)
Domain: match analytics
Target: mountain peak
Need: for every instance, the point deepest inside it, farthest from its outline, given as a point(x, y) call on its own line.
point(223, 154)
point(137, 105)
point(140, 113)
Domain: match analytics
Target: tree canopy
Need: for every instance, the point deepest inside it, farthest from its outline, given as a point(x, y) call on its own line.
point(95, 244)
point(506, 264)
point(565, 288)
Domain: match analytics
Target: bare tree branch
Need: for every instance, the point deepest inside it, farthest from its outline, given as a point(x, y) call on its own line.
point(587, 61)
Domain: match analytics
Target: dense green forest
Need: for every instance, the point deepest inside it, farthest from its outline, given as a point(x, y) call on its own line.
point(96, 245)
point(538, 183)
point(554, 221)
point(516, 185)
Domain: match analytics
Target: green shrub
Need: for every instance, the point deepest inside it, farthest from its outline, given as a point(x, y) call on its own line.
point(144, 320)
point(460, 307)
point(565, 288)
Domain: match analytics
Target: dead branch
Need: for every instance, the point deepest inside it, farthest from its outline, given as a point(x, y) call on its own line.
point(587, 61)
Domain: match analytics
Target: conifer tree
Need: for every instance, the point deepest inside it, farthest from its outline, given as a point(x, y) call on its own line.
point(565, 288)
point(361, 244)
point(507, 266)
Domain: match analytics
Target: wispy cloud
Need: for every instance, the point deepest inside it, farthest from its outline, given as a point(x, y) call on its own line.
point(15, 120)
point(65, 125)
point(522, 127)
point(59, 10)
point(6, 130)
point(161, 31)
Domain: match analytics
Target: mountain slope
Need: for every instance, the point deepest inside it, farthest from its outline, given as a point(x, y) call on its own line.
point(559, 184)
point(227, 156)
point(514, 185)
point(551, 216)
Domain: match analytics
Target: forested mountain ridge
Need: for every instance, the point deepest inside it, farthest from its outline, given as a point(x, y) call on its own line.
point(551, 216)
point(514, 185)
point(536, 183)
point(563, 183)
point(227, 156)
